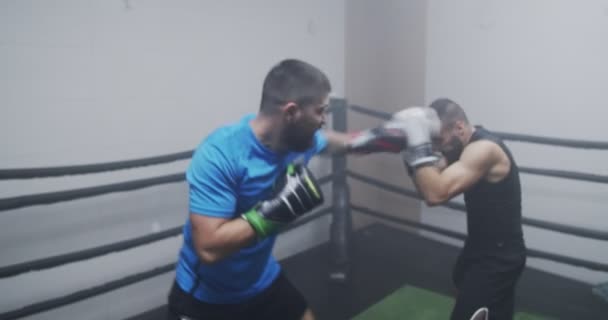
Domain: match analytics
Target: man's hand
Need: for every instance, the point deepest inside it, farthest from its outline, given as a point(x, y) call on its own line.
point(296, 193)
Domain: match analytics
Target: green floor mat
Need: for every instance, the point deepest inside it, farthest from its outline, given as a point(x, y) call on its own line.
point(418, 304)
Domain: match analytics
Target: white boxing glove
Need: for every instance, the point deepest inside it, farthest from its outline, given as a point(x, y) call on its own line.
point(420, 125)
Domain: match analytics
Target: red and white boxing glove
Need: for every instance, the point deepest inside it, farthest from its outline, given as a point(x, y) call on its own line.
point(388, 137)
point(420, 125)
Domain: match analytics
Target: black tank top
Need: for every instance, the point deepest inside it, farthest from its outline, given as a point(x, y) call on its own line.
point(494, 209)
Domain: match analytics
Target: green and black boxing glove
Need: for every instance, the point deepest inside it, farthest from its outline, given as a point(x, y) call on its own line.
point(296, 193)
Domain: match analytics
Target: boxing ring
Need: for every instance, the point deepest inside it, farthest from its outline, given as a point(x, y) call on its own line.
point(346, 277)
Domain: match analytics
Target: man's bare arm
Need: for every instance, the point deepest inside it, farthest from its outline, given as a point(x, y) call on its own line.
point(438, 186)
point(216, 238)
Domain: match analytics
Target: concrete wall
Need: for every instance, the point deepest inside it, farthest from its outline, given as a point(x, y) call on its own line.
point(95, 81)
point(535, 67)
point(385, 69)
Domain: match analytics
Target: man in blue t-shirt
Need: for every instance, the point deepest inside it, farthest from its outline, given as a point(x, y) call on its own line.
point(247, 180)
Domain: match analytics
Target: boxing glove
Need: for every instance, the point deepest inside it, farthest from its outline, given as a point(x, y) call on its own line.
point(388, 137)
point(296, 192)
point(420, 125)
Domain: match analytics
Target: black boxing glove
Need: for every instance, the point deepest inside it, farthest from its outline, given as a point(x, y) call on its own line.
point(296, 193)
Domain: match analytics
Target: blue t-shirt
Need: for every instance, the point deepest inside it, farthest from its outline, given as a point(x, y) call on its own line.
point(229, 173)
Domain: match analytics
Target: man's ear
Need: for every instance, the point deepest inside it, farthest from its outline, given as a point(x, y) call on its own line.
point(290, 110)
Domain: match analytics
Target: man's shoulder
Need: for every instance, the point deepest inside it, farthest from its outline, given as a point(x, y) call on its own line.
point(234, 132)
point(482, 152)
point(494, 140)
point(224, 143)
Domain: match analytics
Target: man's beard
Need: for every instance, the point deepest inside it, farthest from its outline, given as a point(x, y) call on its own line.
point(452, 154)
point(297, 139)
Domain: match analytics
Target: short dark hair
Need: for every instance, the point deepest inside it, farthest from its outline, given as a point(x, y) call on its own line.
point(296, 81)
point(449, 112)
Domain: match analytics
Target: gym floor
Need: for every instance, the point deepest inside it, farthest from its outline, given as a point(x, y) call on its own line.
point(388, 262)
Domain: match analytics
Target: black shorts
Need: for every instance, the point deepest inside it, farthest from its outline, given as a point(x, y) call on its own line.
point(279, 301)
point(487, 279)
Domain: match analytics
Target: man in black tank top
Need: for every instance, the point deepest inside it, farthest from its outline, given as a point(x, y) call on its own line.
point(475, 163)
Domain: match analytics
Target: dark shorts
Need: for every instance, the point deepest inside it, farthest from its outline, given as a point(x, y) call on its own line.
point(279, 301)
point(487, 279)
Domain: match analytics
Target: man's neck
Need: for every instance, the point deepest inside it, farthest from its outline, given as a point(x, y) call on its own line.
point(267, 130)
point(468, 134)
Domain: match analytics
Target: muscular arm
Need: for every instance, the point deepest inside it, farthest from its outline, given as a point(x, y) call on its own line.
point(216, 238)
point(212, 177)
point(439, 186)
